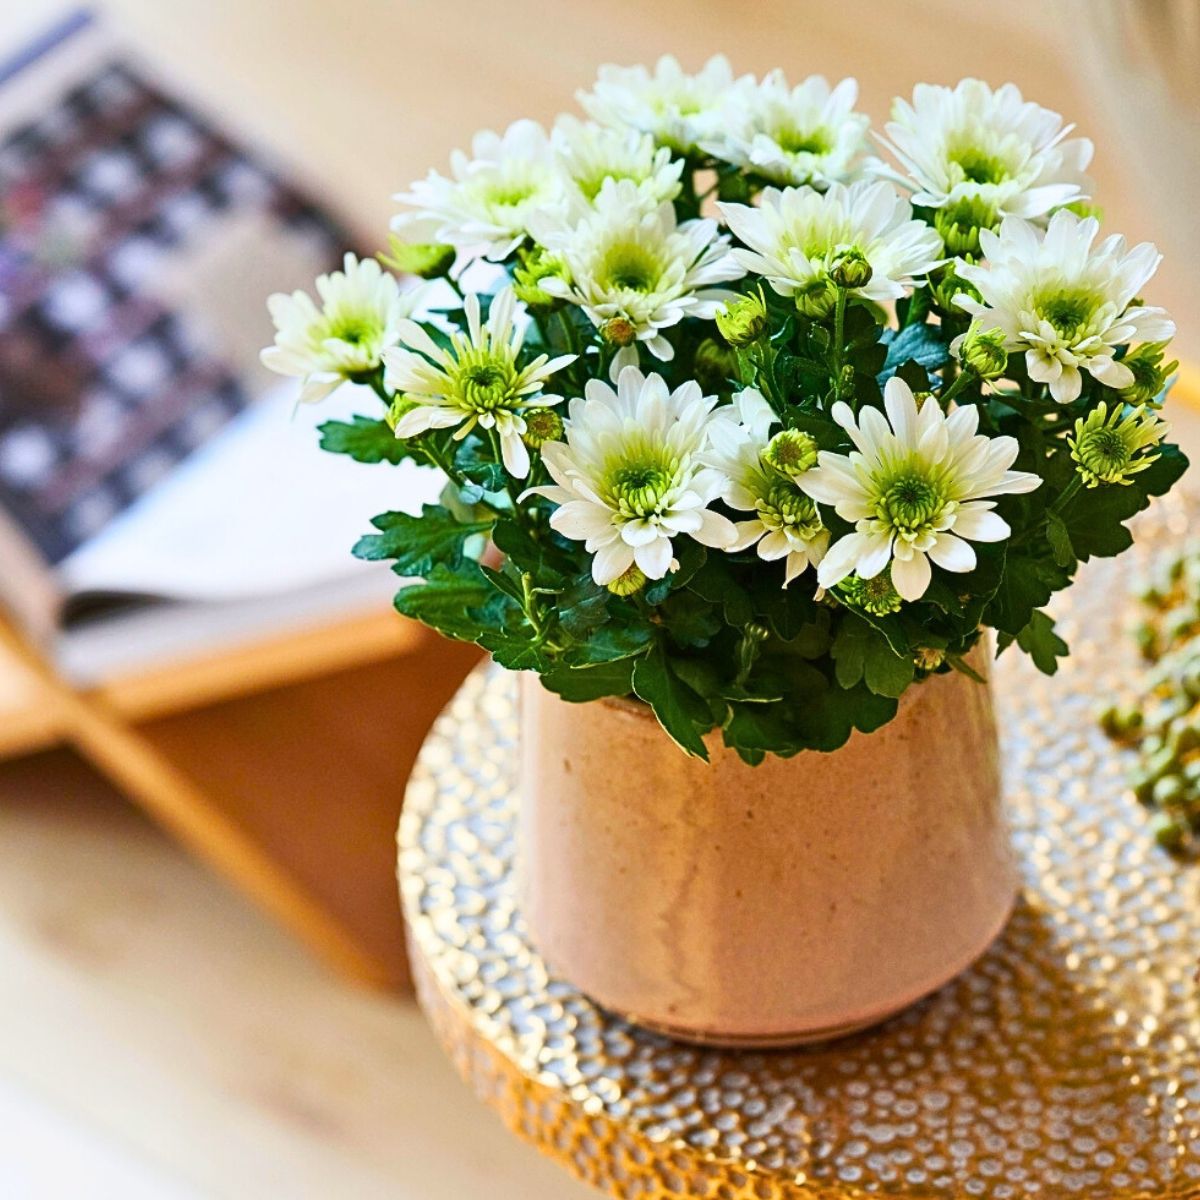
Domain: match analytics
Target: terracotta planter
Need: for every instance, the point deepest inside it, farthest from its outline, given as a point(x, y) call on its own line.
point(794, 901)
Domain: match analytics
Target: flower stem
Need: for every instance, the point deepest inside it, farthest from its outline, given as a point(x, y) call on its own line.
point(963, 379)
point(839, 341)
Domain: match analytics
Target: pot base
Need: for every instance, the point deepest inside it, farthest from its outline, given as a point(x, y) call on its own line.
point(719, 1040)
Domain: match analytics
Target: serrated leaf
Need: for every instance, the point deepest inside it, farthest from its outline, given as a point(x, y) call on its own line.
point(417, 543)
point(681, 711)
point(365, 440)
point(861, 652)
point(455, 601)
point(580, 684)
point(1041, 643)
point(1059, 537)
point(925, 345)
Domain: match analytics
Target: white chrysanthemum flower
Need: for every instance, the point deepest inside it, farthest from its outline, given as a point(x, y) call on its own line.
point(794, 235)
point(916, 485)
point(636, 266)
point(786, 523)
point(630, 476)
point(809, 134)
point(678, 109)
point(358, 317)
point(486, 206)
point(477, 381)
point(975, 146)
point(1065, 301)
point(591, 154)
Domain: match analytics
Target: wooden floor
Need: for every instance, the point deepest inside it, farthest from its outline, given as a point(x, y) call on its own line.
point(160, 1039)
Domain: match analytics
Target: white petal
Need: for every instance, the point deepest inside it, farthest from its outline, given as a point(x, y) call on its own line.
point(952, 553)
point(911, 577)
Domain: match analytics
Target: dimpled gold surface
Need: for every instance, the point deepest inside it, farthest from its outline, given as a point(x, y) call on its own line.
point(1066, 1062)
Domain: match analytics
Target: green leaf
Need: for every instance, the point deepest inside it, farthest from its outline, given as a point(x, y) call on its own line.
point(861, 652)
point(680, 711)
point(474, 461)
point(1027, 584)
point(580, 684)
point(1041, 643)
point(455, 601)
point(418, 542)
point(365, 440)
point(926, 345)
point(715, 583)
point(612, 641)
point(582, 607)
point(690, 619)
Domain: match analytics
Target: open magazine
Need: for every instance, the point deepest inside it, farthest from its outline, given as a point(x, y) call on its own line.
point(139, 519)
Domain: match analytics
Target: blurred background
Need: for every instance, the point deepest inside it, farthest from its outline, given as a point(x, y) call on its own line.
point(171, 1030)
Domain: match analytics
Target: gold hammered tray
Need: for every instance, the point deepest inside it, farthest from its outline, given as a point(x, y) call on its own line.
point(1065, 1063)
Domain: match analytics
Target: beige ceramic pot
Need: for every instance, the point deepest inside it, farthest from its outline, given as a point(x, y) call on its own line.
point(756, 906)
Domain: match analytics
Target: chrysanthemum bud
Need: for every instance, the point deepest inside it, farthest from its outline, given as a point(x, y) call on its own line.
point(715, 366)
point(816, 298)
point(851, 269)
point(400, 405)
point(982, 352)
point(945, 285)
point(744, 320)
point(791, 452)
point(618, 331)
point(542, 425)
point(429, 260)
point(959, 224)
point(1113, 448)
point(876, 596)
point(1082, 208)
point(633, 580)
point(1150, 375)
point(929, 658)
point(531, 273)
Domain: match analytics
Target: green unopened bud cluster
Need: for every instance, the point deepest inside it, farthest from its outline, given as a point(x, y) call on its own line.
point(791, 452)
point(876, 596)
point(959, 224)
point(850, 269)
point(627, 584)
point(744, 320)
point(982, 352)
point(531, 273)
point(542, 425)
point(1165, 727)
point(1150, 374)
point(1114, 447)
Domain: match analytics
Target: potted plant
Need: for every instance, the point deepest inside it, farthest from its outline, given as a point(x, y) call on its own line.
point(753, 441)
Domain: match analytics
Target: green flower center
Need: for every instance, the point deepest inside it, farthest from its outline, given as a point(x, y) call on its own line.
point(910, 502)
point(876, 595)
point(1066, 311)
point(638, 488)
point(977, 166)
point(1104, 451)
point(803, 141)
point(351, 329)
point(510, 195)
point(789, 507)
point(486, 381)
point(631, 267)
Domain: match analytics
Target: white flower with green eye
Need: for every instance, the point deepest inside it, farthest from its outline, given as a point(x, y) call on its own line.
point(918, 487)
point(591, 154)
point(793, 237)
point(485, 206)
point(476, 381)
point(808, 134)
point(1064, 301)
point(679, 110)
point(989, 153)
point(344, 335)
point(761, 473)
point(635, 268)
point(630, 476)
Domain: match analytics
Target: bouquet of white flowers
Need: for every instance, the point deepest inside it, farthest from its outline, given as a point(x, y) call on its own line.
point(765, 428)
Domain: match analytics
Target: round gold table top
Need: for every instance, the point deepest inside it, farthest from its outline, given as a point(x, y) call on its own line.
point(1065, 1063)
